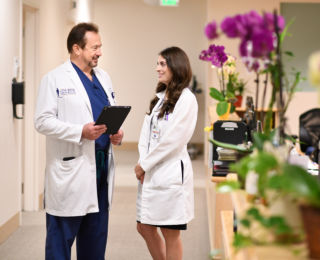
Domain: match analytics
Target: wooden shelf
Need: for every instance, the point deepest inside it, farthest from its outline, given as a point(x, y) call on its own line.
point(239, 112)
point(260, 113)
point(217, 202)
point(227, 218)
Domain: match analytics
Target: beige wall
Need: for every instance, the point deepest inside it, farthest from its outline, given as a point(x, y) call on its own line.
point(133, 33)
point(54, 28)
point(9, 48)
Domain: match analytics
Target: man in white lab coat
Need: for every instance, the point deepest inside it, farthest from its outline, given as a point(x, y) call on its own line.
point(79, 159)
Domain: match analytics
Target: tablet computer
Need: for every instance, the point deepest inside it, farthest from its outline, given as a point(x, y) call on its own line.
point(113, 117)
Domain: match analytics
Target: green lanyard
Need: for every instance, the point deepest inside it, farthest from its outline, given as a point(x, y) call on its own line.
point(100, 160)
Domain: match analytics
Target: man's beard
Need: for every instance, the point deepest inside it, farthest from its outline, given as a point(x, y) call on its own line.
point(93, 64)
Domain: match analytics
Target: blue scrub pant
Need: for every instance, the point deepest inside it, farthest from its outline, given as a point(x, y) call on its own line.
point(91, 230)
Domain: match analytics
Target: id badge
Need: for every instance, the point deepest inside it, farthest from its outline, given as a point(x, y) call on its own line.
point(155, 131)
point(155, 134)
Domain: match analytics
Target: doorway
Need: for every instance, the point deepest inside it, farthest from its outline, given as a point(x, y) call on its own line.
point(30, 139)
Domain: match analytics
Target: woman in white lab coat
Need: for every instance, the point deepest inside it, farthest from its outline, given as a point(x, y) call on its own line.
point(165, 191)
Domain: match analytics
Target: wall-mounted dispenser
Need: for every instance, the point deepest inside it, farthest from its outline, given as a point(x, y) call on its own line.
point(17, 97)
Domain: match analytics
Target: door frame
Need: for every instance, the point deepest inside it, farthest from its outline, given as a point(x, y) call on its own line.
point(30, 173)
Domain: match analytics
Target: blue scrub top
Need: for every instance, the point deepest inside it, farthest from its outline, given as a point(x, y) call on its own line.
point(98, 99)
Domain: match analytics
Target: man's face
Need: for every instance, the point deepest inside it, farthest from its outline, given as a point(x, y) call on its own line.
point(92, 50)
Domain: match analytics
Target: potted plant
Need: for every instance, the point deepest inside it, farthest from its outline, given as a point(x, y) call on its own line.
point(229, 94)
point(261, 37)
point(295, 182)
point(238, 87)
point(275, 181)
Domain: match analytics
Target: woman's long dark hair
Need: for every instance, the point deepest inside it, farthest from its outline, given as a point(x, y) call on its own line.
point(179, 65)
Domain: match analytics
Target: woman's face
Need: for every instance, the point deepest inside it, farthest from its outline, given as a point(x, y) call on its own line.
point(164, 73)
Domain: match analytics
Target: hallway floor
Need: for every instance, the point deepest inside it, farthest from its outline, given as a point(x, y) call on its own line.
point(27, 243)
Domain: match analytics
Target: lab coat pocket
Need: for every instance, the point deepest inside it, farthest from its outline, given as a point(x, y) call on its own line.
point(167, 174)
point(69, 164)
point(68, 180)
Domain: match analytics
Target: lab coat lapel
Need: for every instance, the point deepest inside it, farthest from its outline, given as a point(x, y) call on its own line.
point(78, 84)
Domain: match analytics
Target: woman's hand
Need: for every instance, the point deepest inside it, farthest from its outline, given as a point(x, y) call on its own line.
point(139, 173)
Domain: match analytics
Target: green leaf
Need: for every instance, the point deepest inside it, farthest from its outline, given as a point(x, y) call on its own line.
point(232, 108)
point(276, 182)
point(230, 95)
point(259, 139)
point(229, 146)
point(245, 222)
point(282, 229)
point(279, 225)
point(268, 117)
point(216, 94)
point(230, 87)
point(298, 183)
point(291, 138)
point(265, 162)
point(276, 221)
point(285, 30)
point(242, 167)
point(253, 212)
point(222, 108)
point(302, 183)
point(289, 53)
point(241, 241)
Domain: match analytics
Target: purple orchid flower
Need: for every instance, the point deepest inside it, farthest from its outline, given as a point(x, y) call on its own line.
point(243, 48)
point(257, 38)
point(204, 55)
point(215, 54)
point(252, 20)
point(255, 31)
point(234, 27)
point(269, 22)
point(211, 30)
point(262, 43)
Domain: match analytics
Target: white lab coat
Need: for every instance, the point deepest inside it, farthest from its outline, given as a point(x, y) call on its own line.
point(166, 196)
point(63, 108)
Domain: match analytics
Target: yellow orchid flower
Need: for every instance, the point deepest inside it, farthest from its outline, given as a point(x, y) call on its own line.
point(208, 128)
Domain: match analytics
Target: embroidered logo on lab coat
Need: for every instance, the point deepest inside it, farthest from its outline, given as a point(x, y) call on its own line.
point(65, 91)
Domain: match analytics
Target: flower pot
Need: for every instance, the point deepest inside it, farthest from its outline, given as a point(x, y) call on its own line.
point(285, 207)
point(238, 103)
point(311, 222)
